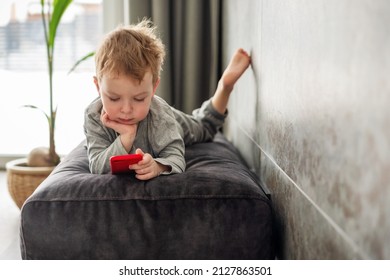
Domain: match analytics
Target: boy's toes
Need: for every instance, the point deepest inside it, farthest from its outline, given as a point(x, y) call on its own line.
point(242, 51)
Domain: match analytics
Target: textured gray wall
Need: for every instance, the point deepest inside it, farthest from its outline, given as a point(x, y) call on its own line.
point(312, 118)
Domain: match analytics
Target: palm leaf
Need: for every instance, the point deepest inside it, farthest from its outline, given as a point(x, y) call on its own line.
point(81, 60)
point(39, 109)
point(59, 8)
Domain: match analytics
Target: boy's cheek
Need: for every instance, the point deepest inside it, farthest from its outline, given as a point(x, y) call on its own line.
point(107, 113)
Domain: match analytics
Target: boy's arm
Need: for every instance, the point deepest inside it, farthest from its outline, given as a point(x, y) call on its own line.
point(173, 160)
point(172, 155)
point(166, 156)
point(167, 141)
point(102, 143)
point(161, 136)
point(162, 148)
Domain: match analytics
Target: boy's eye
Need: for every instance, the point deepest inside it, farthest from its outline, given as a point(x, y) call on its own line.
point(113, 99)
point(139, 99)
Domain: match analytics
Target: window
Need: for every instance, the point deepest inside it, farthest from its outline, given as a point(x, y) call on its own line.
point(24, 77)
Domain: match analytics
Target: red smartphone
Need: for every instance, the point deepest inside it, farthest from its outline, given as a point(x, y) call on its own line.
point(120, 164)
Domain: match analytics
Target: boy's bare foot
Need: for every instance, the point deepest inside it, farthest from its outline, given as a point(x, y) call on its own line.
point(237, 66)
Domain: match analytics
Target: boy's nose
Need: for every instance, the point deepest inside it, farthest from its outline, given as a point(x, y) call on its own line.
point(127, 108)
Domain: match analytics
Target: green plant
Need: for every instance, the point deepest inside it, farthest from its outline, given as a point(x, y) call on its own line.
point(78, 62)
point(51, 12)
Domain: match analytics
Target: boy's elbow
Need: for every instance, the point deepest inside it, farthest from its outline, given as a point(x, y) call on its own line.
point(178, 168)
point(96, 168)
point(175, 165)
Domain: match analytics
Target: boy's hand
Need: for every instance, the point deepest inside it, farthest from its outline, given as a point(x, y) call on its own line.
point(147, 168)
point(118, 127)
point(127, 131)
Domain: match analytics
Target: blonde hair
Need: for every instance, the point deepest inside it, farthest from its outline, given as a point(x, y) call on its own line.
point(131, 50)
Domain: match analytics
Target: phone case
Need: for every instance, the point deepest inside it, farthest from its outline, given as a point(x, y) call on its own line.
point(120, 164)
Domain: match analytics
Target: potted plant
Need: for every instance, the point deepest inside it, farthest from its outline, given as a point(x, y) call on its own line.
point(25, 175)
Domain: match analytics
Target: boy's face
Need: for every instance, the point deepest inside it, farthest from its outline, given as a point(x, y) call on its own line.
point(125, 99)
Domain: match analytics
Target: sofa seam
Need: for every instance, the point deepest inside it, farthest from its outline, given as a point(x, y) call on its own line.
point(121, 198)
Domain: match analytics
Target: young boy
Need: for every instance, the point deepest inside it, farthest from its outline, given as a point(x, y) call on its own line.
point(128, 117)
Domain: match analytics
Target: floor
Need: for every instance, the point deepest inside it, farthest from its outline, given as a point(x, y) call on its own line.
point(9, 223)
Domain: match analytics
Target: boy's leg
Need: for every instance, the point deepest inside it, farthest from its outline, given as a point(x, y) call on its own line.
point(209, 118)
point(201, 126)
point(237, 66)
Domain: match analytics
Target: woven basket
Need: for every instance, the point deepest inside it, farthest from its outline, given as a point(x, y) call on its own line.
point(23, 180)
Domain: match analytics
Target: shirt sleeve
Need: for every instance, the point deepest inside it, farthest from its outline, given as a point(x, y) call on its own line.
point(173, 157)
point(102, 142)
point(165, 136)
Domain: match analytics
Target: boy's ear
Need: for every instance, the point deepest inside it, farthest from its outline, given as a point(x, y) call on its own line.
point(155, 86)
point(96, 82)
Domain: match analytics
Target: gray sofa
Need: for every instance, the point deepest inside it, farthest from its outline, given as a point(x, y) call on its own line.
point(214, 210)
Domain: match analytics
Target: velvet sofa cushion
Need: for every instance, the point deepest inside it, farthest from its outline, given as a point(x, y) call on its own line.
point(214, 210)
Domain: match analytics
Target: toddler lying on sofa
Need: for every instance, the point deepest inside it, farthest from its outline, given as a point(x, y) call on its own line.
point(128, 117)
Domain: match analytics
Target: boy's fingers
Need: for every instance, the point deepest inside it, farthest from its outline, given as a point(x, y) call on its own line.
point(146, 176)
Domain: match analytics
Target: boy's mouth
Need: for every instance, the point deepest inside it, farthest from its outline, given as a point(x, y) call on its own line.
point(126, 121)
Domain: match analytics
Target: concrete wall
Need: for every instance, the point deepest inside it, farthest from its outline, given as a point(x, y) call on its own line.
point(312, 117)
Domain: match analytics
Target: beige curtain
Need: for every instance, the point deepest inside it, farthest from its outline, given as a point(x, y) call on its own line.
point(190, 30)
